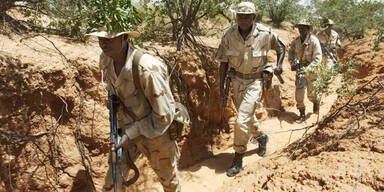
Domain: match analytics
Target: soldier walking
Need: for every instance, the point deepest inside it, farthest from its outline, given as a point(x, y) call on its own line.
point(304, 54)
point(146, 108)
point(244, 49)
point(329, 40)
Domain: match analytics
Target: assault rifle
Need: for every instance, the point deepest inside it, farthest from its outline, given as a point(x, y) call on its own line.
point(115, 137)
point(115, 155)
point(329, 53)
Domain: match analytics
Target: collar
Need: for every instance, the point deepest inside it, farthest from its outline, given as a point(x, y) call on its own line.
point(306, 40)
point(252, 32)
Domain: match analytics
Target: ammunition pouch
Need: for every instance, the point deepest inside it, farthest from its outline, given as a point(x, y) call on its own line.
point(180, 122)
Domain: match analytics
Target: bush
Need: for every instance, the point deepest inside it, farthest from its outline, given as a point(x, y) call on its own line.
point(74, 18)
point(352, 16)
point(279, 10)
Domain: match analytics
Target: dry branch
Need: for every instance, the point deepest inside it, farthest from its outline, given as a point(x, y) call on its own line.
point(80, 144)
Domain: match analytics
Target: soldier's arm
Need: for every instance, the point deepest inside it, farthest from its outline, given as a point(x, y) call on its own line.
point(223, 73)
point(158, 93)
point(278, 45)
point(317, 54)
point(223, 59)
point(338, 43)
point(292, 55)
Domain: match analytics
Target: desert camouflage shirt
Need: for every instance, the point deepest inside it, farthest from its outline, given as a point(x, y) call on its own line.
point(248, 56)
point(307, 53)
point(147, 113)
point(331, 40)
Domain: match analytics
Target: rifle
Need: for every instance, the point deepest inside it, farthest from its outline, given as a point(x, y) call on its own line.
point(329, 53)
point(299, 73)
point(113, 137)
point(224, 104)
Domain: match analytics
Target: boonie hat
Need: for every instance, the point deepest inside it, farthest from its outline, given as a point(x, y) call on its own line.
point(327, 22)
point(102, 32)
point(304, 22)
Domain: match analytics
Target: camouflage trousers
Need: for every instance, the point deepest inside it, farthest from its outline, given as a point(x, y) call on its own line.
point(162, 154)
point(247, 96)
point(303, 87)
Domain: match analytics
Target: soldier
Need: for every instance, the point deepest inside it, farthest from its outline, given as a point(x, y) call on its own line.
point(145, 113)
point(329, 40)
point(244, 48)
point(304, 54)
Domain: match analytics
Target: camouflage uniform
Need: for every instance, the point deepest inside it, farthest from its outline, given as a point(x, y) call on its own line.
point(308, 54)
point(145, 118)
point(248, 58)
point(331, 41)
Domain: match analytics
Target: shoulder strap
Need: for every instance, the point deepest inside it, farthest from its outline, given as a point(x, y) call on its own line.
point(135, 69)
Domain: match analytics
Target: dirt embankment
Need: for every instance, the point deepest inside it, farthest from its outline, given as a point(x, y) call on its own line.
point(54, 121)
point(344, 153)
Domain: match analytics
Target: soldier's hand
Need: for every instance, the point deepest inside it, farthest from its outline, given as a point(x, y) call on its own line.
point(278, 70)
point(113, 147)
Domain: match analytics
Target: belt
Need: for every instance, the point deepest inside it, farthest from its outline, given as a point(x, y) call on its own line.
point(249, 75)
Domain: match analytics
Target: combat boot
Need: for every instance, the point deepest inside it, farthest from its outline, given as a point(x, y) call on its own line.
point(262, 139)
point(316, 107)
point(301, 117)
point(237, 165)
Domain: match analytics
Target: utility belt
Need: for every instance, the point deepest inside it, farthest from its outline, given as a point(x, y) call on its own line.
point(266, 77)
point(249, 75)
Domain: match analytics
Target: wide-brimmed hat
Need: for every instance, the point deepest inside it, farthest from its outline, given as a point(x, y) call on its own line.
point(246, 8)
point(327, 22)
point(102, 32)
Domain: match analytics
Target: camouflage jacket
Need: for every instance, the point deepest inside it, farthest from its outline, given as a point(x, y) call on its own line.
point(331, 40)
point(307, 53)
point(149, 112)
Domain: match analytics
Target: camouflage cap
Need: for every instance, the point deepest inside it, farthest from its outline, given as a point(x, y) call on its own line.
point(102, 32)
point(303, 22)
point(246, 8)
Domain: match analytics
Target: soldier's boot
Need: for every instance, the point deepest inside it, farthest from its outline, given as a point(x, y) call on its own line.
point(237, 165)
point(316, 107)
point(262, 139)
point(301, 117)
